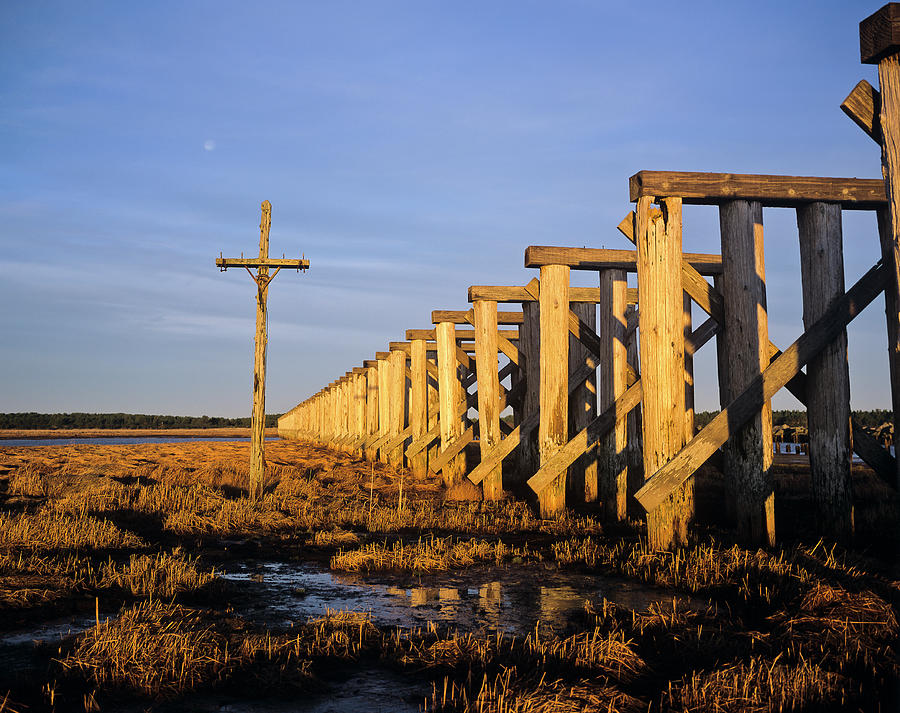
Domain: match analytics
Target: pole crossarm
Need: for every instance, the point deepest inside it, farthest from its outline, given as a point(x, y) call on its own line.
point(223, 263)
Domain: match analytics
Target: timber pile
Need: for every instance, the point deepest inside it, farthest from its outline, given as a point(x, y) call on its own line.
point(599, 380)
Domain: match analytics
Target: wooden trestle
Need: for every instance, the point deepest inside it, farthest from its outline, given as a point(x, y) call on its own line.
point(597, 382)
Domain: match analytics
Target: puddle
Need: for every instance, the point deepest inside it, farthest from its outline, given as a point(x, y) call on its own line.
point(17, 647)
point(122, 440)
point(494, 598)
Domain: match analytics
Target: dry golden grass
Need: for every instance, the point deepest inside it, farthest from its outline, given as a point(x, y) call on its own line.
point(763, 686)
point(430, 554)
point(51, 530)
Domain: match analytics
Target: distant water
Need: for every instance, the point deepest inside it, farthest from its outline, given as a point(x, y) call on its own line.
point(116, 441)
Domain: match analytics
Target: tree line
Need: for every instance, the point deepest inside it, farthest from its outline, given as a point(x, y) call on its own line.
point(865, 419)
point(31, 421)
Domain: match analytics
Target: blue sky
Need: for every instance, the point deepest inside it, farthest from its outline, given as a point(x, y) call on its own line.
point(409, 149)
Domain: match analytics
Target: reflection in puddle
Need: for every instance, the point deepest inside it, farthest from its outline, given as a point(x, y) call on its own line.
point(495, 598)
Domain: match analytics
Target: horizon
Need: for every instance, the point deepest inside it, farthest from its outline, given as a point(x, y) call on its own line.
point(408, 152)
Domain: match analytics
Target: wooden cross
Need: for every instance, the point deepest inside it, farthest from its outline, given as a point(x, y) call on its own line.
point(262, 279)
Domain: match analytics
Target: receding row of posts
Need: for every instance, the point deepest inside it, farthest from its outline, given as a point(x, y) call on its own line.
point(585, 395)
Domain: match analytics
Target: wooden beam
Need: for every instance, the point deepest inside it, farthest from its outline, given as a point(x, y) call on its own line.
point(613, 475)
point(512, 293)
point(777, 374)
point(418, 404)
point(587, 438)
point(464, 317)
point(770, 191)
point(488, 391)
point(583, 473)
point(749, 452)
point(662, 361)
point(828, 374)
point(453, 451)
point(602, 259)
point(225, 262)
point(863, 106)
point(554, 397)
point(879, 34)
point(452, 401)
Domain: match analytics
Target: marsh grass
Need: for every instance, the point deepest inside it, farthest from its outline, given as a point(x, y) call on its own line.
point(429, 554)
point(51, 530)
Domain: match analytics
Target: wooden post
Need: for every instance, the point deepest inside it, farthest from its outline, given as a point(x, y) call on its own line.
point(553, 431)
point(827, 375)
point(452, 399)
point(384, 400)
point(258, 414)
point(613, 360)
point(634, 441)
point(688, 373)
point(360, 397)
point(418, 404)
point(582, 477)
point(749, 452)
point(530, 345)
point(371, 404)
point(879, 43)
point(397, 364)
point(488, 390)
point(658, 239)
point(434, 409)
point(262, 279)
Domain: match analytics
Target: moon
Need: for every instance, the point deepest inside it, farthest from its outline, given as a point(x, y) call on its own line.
point(209, 145)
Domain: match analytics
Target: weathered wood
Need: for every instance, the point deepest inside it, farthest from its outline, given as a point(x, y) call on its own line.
point(258, 416)
point(529, 459)
point(418, 404)
point(772, 191)
point(827, 375)
point(384, 403)
point(889, 220)
point(554, 361)
point(688, 370)
point(371, 405)
point(582, 477)
point(586, 439)
point(452, 400)
point(465, 317)
point(485, 313)
point(749, 452)
point(603, 259)
point(263, 262)
point(863, 106)
point(879, 34)
point(452, 452)
point(613, 476)
point(662, 362)
point(634, 442)
point(512, 293)
point(760, 390)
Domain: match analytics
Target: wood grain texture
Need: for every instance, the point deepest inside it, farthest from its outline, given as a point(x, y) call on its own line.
point(749, 452)
point(452, 400)
point(828, 374)
point(596, 259)
point(465, 317)
point(529, 459)
point(889, 220)
point(771, 191)
point(554, 363)
point(780, 370)
point(613, 471)
point(662, 362)
point(384, 403)
point(863, 106)
point(583, 473)
point(634, 442)
point(879, 34)
point(418, 404)
point(513, 293)
point(371, 405)
point(485, 317)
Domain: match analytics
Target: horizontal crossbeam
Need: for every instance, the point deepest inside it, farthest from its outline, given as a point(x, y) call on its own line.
point(602, 259)
point(462, 317)
point(772, 191)
point(226, 262)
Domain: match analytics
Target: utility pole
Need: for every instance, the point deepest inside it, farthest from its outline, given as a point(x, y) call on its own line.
point(262, 278)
